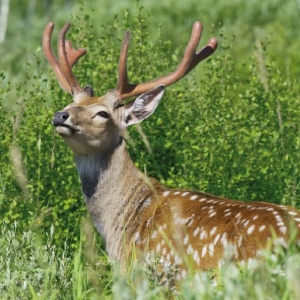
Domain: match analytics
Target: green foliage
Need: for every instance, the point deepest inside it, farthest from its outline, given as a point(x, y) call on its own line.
point(32, 268)
point(233, 133)
point(230, 128)
point(33, 188)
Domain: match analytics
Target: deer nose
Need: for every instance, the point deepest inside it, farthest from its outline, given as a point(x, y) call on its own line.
point(60, 117)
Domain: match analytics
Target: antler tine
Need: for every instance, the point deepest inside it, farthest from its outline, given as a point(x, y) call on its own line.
point(123, 84)
point(73, 54)
point(188, 62)
point(65, 65)
point(54, 63)
point(205, 52)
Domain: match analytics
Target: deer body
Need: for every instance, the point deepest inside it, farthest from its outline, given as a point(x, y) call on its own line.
point(134, 213)
point(130, 209)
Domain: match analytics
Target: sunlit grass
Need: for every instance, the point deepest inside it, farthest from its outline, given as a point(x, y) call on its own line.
point(32, 269)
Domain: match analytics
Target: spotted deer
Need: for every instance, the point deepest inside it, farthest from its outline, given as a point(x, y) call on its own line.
point(135, 213)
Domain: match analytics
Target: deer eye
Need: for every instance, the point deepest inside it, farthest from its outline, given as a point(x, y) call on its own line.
point(103, 114)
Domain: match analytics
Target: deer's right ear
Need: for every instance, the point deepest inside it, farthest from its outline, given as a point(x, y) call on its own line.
point(143, 106)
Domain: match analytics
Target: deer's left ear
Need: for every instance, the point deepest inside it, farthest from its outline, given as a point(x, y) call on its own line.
point(143, 106)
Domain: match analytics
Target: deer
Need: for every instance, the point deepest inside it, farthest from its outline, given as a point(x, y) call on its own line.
point(134, 213)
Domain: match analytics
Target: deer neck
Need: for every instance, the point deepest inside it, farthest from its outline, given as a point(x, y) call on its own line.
point(112, 185)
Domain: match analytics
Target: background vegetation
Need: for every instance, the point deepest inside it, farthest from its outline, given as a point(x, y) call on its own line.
point(230, 128)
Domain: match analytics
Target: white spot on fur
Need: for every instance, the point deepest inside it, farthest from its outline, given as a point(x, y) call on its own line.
point(196, 231)
point(166, 193)
point(212, 214)
point(137, 237)
point(292, 213)
point(280, 224)
point(213, 231)
point(282, 229)
point(184, 194)
point(194, 197)
point(250, 229)
point(240, 241)
point(204, 250)
point(238, 215)
point(282, 241)
point(262, 228)
point(178, 259)
point(203, 234)
point(190, 249)
point(154, 234)
point(196, 257)
point(182, 221)
point(217, 238)
point(158, 247)
point(246, 222)
point(190, 223)
point(186, 240)
point(147, 202)
point(221, 263)
point(224, 239)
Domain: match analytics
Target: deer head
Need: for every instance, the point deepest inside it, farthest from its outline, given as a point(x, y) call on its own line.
point(94, 124)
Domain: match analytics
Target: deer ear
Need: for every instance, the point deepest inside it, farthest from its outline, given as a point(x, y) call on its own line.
point(143, 106)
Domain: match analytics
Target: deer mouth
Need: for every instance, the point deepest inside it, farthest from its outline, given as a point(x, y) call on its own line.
point(65, 130)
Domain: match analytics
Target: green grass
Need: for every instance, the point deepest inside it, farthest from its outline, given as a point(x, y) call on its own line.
point(32, 267)
point(230, 128)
